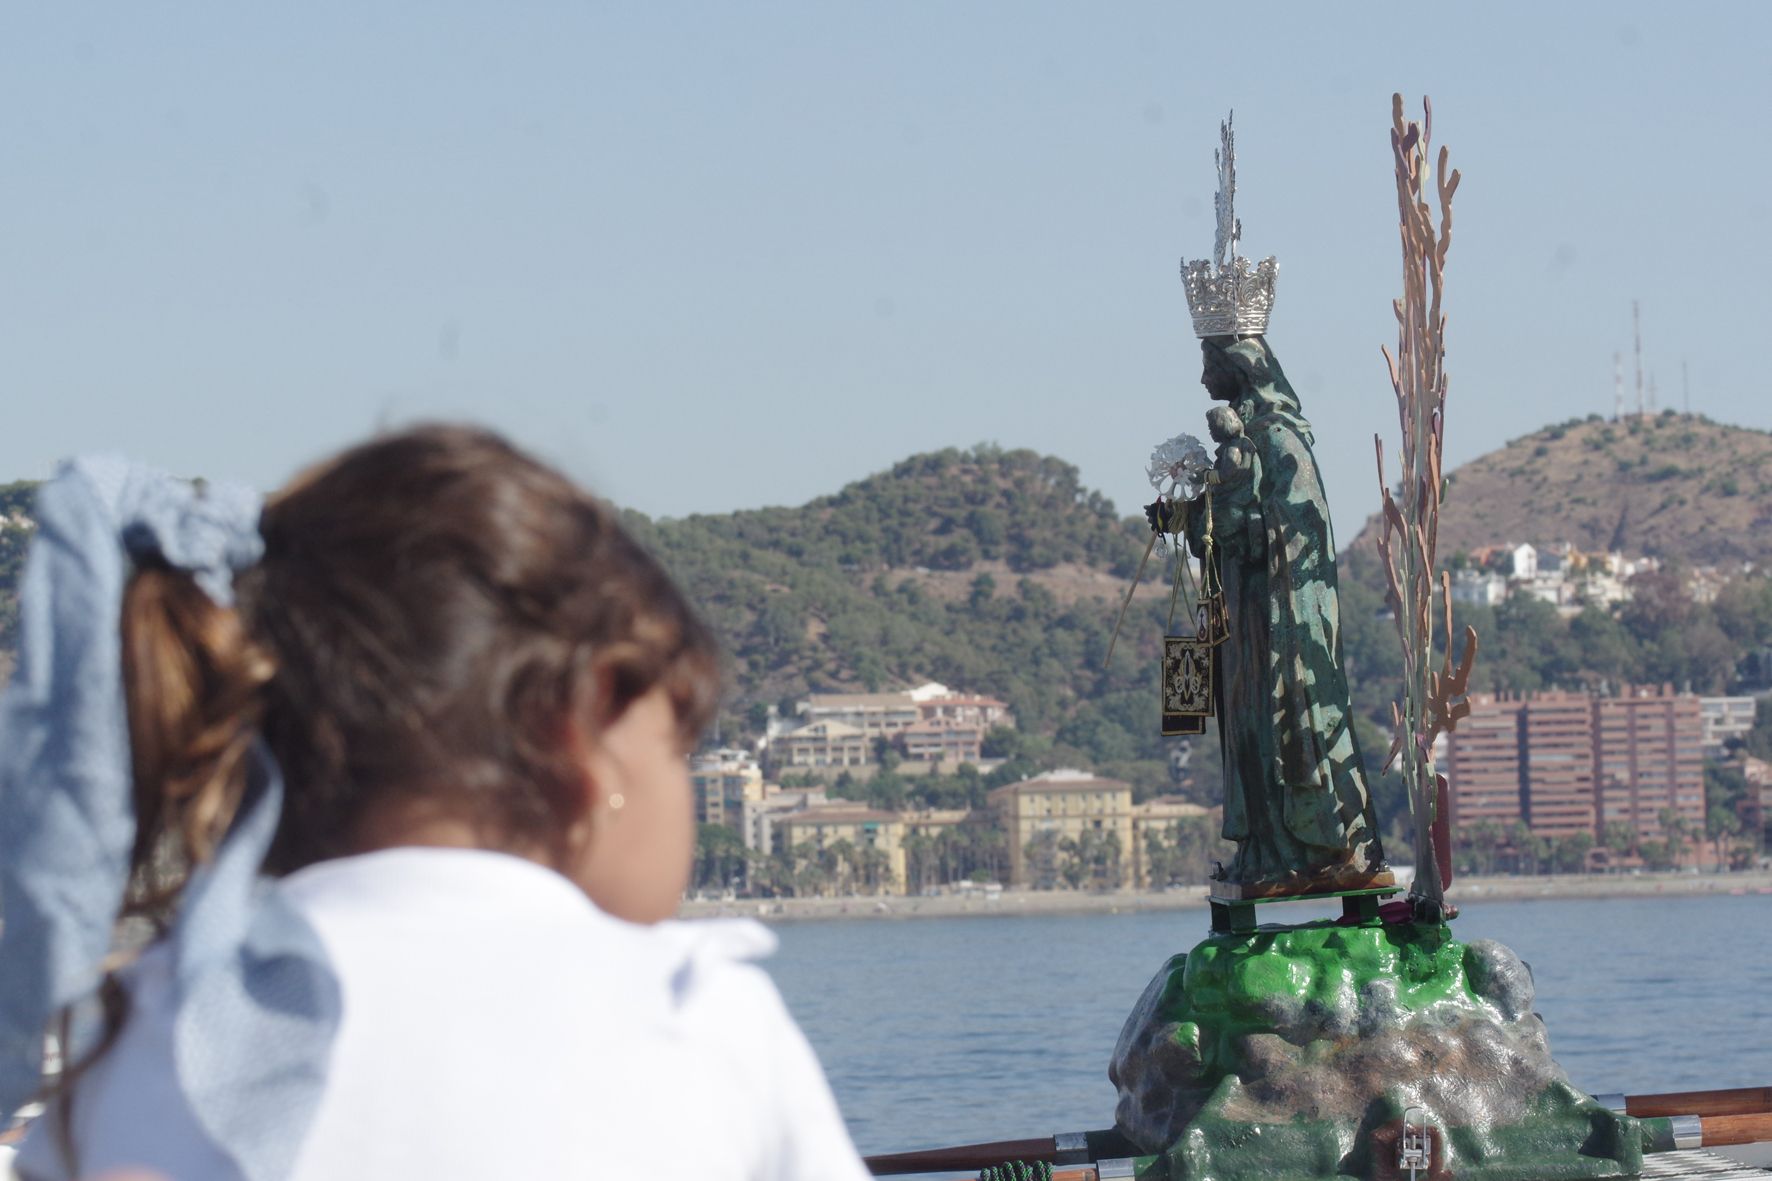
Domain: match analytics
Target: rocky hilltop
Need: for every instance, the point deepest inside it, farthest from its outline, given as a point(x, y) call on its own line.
point(1675, 486)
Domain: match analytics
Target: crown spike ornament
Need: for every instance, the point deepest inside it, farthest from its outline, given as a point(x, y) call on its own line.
point(1227, 294)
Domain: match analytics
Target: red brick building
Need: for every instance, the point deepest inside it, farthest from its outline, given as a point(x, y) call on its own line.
point(1569, 763)
point(1649, 757)
point(1482, 763)
point(1557, 778)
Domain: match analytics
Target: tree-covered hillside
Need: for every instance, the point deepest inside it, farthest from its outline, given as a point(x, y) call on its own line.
point(996, 572)
point(992, 571)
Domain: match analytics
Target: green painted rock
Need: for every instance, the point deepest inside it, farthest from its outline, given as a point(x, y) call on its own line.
point(1293, 1052)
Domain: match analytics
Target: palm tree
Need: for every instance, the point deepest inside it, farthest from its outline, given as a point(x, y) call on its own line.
point(807, 875)
point(1620, 837)
point(919, 862)
point(1071, 865)
point(875, 868)
point(1484, 840)
point(1043, 855)
point(838, 860)
point(1721, 823)
point(1673, 827)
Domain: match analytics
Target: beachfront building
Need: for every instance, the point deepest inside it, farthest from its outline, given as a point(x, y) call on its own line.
point(1756, 811)
point(1482, 764)
point(1649, 759)
point(858, 849)
point(1158, 817)
point(1046, 810)
point(1557, 764)
point(724, 781)
point(757, 817)
point(1568, 764)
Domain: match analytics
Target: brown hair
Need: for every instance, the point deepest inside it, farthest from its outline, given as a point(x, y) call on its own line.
point(434, 612)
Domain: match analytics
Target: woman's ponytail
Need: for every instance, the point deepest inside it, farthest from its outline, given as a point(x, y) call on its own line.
point(193, 683)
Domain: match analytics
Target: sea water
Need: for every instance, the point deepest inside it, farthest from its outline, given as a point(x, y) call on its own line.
point(948, 1031)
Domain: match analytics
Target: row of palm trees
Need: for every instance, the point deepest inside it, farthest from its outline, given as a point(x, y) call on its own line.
point(976, 852)
point(1487, 847)
point(963, 852)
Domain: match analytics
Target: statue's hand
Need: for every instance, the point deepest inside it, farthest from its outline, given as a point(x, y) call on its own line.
point(1161, 515)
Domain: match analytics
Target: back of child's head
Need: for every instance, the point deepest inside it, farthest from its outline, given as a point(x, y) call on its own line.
point(1224, 423)
point(437, 616)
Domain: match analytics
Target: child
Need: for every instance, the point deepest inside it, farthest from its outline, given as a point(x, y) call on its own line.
point(1236, 497)
point(447, 711)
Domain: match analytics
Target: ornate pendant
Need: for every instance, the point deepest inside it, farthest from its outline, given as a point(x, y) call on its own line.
point(1189, 665)
point(1214, 622)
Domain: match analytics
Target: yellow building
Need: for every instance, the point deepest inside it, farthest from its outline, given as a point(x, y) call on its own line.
point(724, 781)
point(874, 859)
point(1160, 815)
point(1048, 809)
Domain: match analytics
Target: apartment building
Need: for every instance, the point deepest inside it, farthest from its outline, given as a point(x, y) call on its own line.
point(1158, 815)
point(757, 817)
point(943, 741)
point(1482, 763)
point(863, 828)
point(1557, 756)
point(929, 724)
point(874, 714)
point(1568, 763)
point(935, 703)
point(825, 743)
point(724, 781)
point(1649, 758)
point(1724, 718)
point(1064, 803)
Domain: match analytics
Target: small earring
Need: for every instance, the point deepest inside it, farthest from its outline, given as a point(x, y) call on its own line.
point(616, 801)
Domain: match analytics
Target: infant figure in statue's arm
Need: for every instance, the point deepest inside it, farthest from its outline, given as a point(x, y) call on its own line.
point(1236, 495)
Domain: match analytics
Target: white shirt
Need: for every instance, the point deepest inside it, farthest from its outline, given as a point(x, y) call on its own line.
point(496, 1024)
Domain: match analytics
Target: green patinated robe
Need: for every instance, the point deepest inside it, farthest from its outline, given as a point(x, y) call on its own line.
point(1295, 794)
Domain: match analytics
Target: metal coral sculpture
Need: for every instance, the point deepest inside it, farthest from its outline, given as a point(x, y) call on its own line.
point(1433, 699)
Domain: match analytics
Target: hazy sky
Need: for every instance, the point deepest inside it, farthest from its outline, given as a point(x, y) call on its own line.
point(718, 256)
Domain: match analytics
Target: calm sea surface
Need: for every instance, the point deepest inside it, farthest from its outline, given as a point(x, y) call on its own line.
point(945, 1031)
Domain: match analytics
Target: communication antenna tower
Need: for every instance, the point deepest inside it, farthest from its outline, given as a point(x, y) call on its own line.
point(1636, 328)
point(1617, 387)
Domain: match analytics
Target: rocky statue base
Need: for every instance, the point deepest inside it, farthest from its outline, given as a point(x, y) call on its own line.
point(1296, 1052)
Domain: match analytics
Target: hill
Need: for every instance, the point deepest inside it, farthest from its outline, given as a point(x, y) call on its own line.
point(997, 572)
point(989, 570)
point(994, 571)
point(1676, 486)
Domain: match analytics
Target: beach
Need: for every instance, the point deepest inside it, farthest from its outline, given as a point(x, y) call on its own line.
point(1058, 902)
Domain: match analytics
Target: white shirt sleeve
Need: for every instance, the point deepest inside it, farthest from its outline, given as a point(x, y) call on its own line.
point(735, 1005)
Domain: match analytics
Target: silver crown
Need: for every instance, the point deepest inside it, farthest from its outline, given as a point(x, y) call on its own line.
point(1227, 294)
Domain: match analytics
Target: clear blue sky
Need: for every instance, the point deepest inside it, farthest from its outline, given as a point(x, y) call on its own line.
point(722, 255)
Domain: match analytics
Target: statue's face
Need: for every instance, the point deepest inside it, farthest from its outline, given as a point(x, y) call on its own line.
point(1220, 376)
point(1220, 383)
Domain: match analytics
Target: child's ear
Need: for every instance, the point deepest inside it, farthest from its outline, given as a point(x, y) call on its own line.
point(590, 774)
